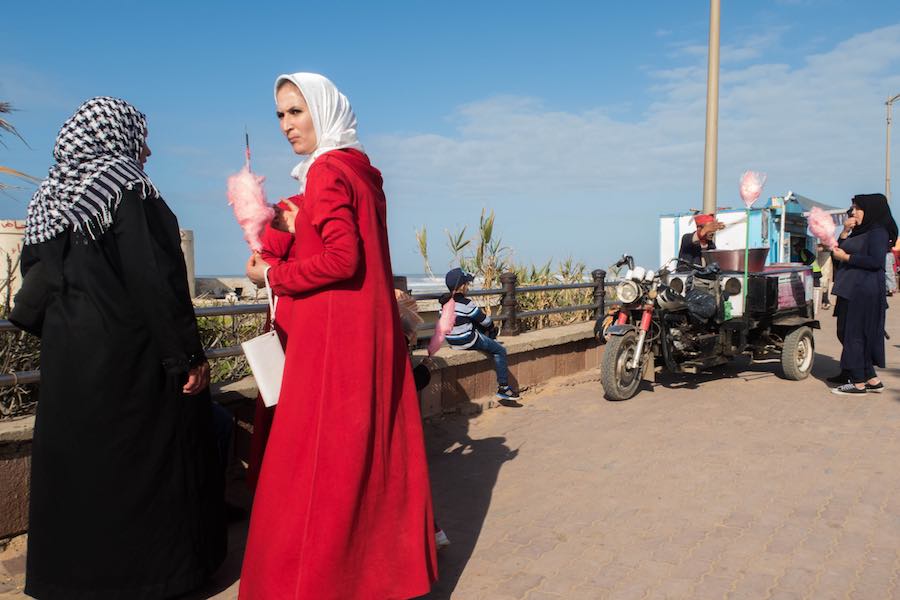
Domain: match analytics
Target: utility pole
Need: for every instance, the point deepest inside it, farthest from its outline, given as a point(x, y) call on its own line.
point(710, 158)
point(887, 152)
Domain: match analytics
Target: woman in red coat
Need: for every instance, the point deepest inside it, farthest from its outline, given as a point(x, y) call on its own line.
point(343, 504)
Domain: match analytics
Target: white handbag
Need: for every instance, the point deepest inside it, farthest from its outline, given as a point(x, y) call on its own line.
point(266, 356)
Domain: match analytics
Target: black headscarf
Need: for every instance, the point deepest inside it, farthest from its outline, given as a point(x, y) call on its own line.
point(877, 213)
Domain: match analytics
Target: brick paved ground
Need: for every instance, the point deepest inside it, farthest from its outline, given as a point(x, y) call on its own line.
point(731, 485)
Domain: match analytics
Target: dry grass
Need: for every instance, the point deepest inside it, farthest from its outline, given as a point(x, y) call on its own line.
point(21, 352)
point(221, 332)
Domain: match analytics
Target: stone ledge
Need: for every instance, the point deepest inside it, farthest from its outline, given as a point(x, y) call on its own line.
point(233, 392)
point(465, 381)
point(17, 430)
point(526, 342)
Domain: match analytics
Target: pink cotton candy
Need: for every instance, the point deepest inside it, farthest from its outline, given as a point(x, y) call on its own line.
point(248, 199)
point(751, 186)
point(821, 224)
point(443, 326)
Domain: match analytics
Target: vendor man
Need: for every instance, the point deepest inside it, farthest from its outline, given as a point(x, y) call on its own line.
point(693, 244)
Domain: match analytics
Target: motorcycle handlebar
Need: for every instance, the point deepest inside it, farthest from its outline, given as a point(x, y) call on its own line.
point(625, 260)
point(681, 261)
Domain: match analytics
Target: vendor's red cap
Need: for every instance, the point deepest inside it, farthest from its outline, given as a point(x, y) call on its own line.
point(701, 220)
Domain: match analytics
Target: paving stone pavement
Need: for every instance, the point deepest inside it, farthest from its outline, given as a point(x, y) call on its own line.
point(735, 484)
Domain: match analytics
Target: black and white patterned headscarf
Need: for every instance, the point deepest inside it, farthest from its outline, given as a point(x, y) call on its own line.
point(97, 156)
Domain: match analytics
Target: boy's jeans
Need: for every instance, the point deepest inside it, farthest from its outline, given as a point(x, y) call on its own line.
point(486, 344)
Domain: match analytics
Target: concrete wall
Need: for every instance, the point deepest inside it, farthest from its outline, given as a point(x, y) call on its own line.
point(465, 381)
point(15, 467)
point(187, 248)
point(462, 382)
point(12, 237)
point(220, 287)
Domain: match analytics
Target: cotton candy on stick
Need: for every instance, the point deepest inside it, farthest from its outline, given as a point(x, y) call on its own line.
point(409, 315)
point(443, 326)
point(248, 199)
point(822, 226)
point(751, 186)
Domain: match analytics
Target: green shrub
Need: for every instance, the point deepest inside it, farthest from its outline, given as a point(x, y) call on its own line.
point(485, 256)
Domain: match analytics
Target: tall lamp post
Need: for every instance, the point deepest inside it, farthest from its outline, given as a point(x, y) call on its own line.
point(712, 112)
point(887, 152)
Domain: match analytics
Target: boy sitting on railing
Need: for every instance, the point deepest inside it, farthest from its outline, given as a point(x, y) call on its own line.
point(474, 330)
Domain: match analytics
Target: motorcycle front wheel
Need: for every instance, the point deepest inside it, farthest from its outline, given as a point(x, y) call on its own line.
point(619, 380)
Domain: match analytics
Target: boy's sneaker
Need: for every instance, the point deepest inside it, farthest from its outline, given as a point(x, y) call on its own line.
point(848, 389)
point(441, 539)
point(877, 388)
point(504, 392)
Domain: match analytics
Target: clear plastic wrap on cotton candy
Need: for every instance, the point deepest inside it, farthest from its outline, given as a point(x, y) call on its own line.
point(751, 186)
point(821, 224)
point(409, 314)
point(443, 326)
point(248, 199)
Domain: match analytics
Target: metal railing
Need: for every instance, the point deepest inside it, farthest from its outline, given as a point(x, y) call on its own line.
point(509, 315)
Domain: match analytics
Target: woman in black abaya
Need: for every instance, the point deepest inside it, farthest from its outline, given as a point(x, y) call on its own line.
point(126, 488)
point(861, 292)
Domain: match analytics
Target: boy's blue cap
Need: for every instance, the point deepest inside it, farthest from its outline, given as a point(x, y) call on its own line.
point(456, 278)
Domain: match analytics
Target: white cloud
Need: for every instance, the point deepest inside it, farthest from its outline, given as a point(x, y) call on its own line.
point(751, 47)
point(816, 128)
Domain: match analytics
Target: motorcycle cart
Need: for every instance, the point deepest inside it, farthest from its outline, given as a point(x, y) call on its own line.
point(695, 318)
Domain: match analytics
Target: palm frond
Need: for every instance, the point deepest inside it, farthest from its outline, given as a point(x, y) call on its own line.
point(422, 239)
point(19, 174)
point(6, 108)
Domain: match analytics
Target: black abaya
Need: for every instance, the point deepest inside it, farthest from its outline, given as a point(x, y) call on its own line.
point(126, 494)
point(862, 303)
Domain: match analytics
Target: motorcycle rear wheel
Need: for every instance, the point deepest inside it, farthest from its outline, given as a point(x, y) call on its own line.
point(619, 380)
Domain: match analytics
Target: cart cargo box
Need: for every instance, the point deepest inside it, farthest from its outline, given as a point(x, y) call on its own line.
point(779, 287)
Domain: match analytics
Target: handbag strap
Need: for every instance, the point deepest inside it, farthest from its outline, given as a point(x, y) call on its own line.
point(272, 298)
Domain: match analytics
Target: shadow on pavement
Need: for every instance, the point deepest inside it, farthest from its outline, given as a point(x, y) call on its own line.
point(826, 366)
point(739, 368)
point(463, 474)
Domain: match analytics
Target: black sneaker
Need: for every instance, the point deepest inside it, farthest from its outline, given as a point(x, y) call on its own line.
point(504, 392)
point(848, 389)
point(877, 388)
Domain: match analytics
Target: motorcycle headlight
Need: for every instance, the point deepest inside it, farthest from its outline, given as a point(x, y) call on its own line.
point(628, 291)
point(732, 286)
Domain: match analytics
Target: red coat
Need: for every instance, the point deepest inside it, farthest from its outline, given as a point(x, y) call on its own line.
point(343, 506)
point(277, 246)
point(277, 249)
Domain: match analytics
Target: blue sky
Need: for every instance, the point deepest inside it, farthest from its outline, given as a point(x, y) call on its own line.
point(578, 123)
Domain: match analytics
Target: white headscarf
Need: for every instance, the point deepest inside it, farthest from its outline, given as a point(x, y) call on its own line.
point(332, 118)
